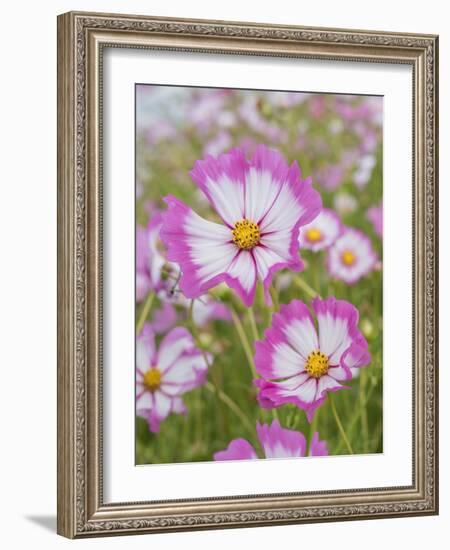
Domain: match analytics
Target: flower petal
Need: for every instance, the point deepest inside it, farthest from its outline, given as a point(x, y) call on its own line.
point(275, 358)
point(279, 442)
point(356, 356)
point(242, 276)
point(295, 322)
point(203, 249)
point(337, 320)
point(162, 405)
point(145, 348)
point(238, 449)
point(186, 373)
point(173, 345)
point(318, 448)
point(222, 180)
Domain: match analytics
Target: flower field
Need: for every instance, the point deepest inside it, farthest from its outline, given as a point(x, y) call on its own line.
point(258, 274)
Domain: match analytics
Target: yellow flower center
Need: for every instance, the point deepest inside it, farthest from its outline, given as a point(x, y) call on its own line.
point(348, 258)
point(152, 379)
point(317, 364)
point(313, 235)
point(246, 234)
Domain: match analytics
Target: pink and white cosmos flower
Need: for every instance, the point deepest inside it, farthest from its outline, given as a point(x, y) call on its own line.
point(300, 364)
point(321, 232)
point(164, 375)
point(351, 256)
point(276, 442)
point(262, 204)
point(149, 259)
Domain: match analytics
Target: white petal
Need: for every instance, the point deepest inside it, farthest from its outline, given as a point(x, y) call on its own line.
point(260, 193)
point(278, 243)
point(302, 336)
point(211, 249)
point(228, 198)
point(265, 258)
point(243, 268)
point(185, 369)
point(307, 391)
point(284, 212)
point(325, 383)
point(338, 373)
point(144, 401)
point(169, 352)
point(286, 362)
point(162, 405)
point(291, 385)
point(333, 335)
point(144, 354)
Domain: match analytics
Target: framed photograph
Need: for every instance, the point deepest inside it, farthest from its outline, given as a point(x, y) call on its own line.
point(247, 274)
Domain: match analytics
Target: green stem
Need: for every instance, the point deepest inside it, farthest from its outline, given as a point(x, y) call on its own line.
point(357, 415)
point(339, 425)
point(244, 340)
point(305, 287)
point(216, 384)
point(363, 409)
point(316, 270)
point(313, 426)
point(231, 405)
point(252, 320)
point(274, 296)
point(145, 311)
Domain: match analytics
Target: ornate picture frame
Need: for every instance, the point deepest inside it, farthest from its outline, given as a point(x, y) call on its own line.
point(82, 38)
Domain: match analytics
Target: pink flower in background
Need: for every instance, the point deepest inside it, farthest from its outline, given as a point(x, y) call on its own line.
point(161, 130)
point(317, 106)
point(300, 364)
point(218, 144)
point(321, 232)
point(164, 375)
point(375, 215)
point(164, 317)
point(149, 259)
point(207, 309)
point(204, 309)
point(351, 256)
point(276, 442)
point(262, 203)
point(251, 115)
point(205, 107)
point(330, 177)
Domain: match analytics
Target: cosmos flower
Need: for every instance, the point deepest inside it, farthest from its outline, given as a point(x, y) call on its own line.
point(149, 259)
point(375, 215)
point(262, 204)
point(300, 364)
point(351, 256)
point(276, 442)
point(321, 232)
point(164, 375)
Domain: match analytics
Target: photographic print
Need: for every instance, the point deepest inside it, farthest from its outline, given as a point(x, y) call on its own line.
point(258, 274)
point(227, 304)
